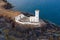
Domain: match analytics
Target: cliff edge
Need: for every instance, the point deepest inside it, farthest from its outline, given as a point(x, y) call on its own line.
point(10, 30)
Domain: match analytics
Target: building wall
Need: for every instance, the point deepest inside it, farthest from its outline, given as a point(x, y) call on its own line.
point(19, 17)
point(32, 19)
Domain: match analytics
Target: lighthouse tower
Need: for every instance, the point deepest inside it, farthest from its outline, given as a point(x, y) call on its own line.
point(36, 15)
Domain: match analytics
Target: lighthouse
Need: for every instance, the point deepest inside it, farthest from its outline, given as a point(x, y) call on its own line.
point(35, 19)
point(36, 15)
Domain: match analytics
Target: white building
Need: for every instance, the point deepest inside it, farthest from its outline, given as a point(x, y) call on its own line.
point(36, 17)
point(28, 20)
point(19, 17)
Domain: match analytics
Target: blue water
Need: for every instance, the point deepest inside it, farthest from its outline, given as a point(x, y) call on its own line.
point(49, 9)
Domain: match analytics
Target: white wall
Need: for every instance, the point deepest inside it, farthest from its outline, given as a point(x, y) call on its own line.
point(32, 19)
point(19, 17)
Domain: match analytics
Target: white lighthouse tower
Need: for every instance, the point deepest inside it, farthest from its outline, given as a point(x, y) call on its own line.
point(35, 19)
point(36, 15)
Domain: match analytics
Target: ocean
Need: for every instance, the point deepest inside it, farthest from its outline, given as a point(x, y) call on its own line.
point(49, 9)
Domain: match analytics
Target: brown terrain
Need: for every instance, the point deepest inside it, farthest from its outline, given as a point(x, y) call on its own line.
point(6, 12)
point(10, 30)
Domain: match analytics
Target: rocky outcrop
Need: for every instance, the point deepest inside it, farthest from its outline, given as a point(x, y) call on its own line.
point(5, 4)
point(10, 30)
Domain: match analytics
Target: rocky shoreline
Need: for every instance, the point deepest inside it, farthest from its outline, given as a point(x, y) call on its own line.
point(10, 30)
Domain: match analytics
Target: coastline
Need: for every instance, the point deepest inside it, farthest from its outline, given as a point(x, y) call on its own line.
point(9, 13)
point(11, 30)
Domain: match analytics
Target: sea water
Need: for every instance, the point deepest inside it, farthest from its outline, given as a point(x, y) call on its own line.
point(49, 9)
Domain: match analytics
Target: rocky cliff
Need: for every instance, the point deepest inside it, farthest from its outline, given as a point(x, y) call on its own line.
point(10, 30)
